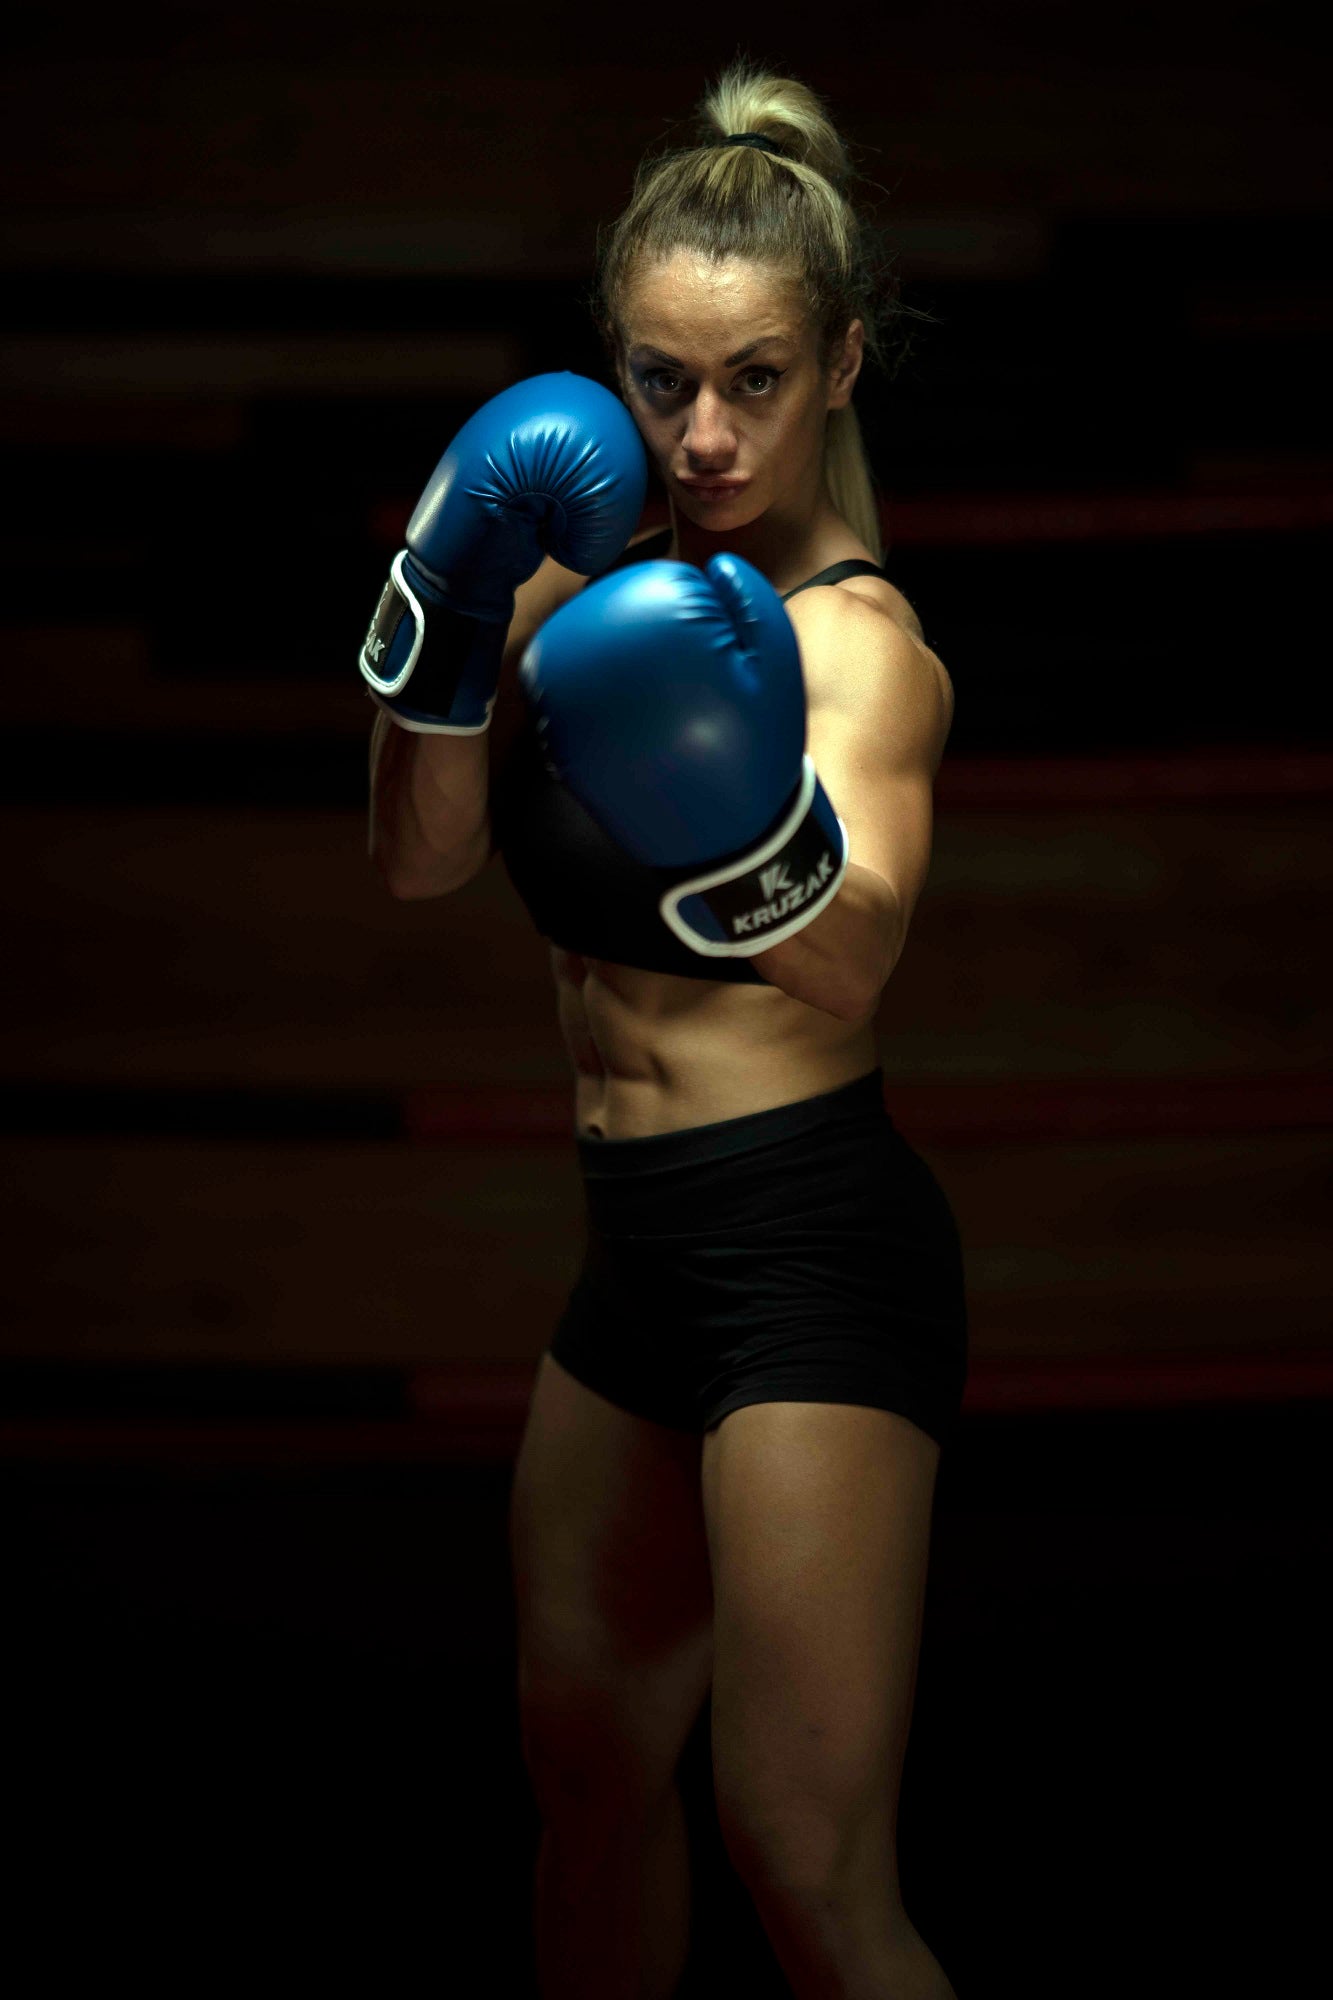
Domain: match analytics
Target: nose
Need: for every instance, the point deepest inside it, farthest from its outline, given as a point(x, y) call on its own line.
point(710, 439)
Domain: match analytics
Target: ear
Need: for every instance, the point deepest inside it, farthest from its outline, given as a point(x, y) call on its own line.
point(846, 366)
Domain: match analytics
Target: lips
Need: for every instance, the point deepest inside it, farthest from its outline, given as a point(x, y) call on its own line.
point(714, 489)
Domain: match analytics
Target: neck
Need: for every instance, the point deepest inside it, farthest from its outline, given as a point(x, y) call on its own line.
point(786, 544)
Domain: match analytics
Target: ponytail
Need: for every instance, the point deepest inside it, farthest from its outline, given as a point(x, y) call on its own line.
point(847, 477)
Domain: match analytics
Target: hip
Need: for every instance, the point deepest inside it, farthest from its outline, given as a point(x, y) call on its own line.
point(832, 1161)
point(817, 1212)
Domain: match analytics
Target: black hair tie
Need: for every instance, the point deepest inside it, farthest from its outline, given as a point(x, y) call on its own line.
point(755, 139)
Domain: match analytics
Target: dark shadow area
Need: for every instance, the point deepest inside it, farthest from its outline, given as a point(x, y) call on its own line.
point(279, 1704)
point(278, 1148)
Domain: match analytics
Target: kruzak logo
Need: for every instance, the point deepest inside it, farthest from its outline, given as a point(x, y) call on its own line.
point(783, 895)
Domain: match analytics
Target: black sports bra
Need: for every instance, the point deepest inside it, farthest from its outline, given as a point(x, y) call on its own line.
point(580, 890)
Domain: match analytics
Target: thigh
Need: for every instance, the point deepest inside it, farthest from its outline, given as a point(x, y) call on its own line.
point(819, 1518)
point(613, 1590)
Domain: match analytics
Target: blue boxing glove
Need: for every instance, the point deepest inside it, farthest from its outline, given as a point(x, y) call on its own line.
point(552, 466)
point(670, 700)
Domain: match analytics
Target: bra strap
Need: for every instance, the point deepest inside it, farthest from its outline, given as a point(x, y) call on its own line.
point(647, 549)
point(851, 566)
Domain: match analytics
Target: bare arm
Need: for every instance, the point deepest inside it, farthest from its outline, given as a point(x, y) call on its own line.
point(430, 827)
point(427, 807)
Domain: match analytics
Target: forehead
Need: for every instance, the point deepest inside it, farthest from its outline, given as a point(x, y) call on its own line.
point(703, 302)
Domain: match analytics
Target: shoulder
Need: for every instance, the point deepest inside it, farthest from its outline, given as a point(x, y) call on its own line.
point(862, 664)
point(885, 596)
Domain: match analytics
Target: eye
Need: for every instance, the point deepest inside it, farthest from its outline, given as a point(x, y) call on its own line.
point(766, 377)
point(660, 381)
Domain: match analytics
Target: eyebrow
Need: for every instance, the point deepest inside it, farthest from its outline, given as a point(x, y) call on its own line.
point(732, 360)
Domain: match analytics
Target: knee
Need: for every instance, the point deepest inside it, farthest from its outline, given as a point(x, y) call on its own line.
point(778, 1851)
point(799, 1849)
point(587, 1753)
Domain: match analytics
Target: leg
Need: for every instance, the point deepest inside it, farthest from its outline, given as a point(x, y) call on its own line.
point(818, 1518)
point(614, 1605)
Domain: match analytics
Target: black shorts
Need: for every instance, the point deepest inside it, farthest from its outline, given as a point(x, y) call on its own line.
point(805, 1254)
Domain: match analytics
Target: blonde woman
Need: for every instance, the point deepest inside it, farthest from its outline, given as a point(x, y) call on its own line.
point(706, 758)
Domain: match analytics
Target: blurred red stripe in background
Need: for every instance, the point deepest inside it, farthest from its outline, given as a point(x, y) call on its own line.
point(953, 1111)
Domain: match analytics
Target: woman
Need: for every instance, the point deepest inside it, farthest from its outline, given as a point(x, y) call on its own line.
point(728, 1468)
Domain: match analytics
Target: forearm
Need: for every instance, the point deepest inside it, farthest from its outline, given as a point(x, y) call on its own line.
point(841, 961)
point(428, 806)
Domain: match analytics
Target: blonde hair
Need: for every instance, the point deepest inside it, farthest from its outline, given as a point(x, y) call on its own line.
point(739, 201)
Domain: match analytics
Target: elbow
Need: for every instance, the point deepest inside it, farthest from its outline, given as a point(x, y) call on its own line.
point(403, 888)
point(843, 1000)
point(857, 1007)
point(867, 989)
point(407, 889)
point(815, 982)
point(860, 997)
point(441, 878)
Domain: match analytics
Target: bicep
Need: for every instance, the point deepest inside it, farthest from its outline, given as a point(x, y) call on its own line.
point(881, 790)
point(876, 737)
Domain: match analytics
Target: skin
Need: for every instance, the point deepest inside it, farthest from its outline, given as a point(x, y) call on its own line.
point(762, 419)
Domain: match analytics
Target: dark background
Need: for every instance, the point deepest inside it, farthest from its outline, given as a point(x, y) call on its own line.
point(290, 1195)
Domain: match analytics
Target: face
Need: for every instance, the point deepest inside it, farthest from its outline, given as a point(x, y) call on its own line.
point(720, 368)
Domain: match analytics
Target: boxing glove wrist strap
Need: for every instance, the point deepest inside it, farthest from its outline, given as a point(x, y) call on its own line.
point(770, 893)
point(434, 669)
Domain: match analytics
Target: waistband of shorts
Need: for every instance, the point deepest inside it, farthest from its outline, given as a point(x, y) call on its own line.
point(859, 1101)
